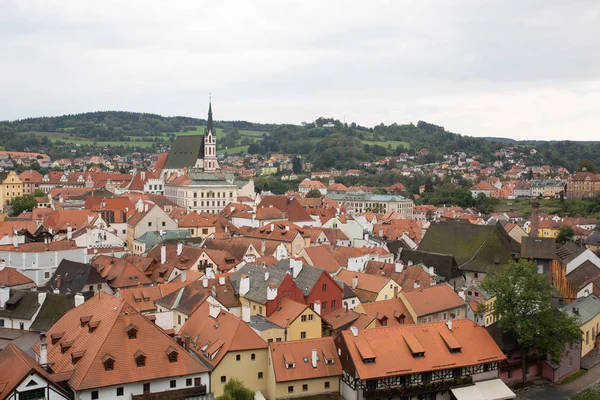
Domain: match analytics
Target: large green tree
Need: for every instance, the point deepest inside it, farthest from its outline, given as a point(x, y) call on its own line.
point(235, 390)
point(313, 194)
point(565, 234)
point(23, 203)
point(524, 308)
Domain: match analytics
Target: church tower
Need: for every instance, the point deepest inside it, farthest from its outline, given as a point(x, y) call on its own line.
point(210, 143)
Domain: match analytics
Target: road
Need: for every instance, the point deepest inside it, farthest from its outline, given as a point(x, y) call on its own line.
point(561, 392)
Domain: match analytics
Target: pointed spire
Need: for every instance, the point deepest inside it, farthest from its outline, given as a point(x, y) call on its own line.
point(209, 122)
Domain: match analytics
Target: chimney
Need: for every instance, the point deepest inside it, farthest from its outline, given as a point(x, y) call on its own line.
point(317, 307)
point(271, 292)
point(232, 208)
point(179, 248)
point(43, 349)
point(79, 299)
point(41, 298)
point(354, 282)
point(145, 207)
point(15, 238)
point(314, 358)
point(244, 285)
point(576, 310)
point(69, 232)
point(184, 275)
point(204, 282)
point(410, 263)
point(266, 276)
point(431, 271)
point(416, 284)
point(214, 310)
point(432, 281)
point(287, 228)
point(461, 294)
point(399, 267)
point(449, 322)
point(209, 273)
point(163, 254)
point(535, 219)
point(246, 313)
point(4, 295)
point(263, 247)
point(56, 291)
point(354, 331)
point(143, 175)
point(380, 232)
point(221, 280)
point(139, 207)
point(296, 267)
point(272, 227)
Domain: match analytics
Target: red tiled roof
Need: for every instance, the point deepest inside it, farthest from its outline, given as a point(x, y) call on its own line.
point(433, 299)
point(11, 277)
point(300, 351)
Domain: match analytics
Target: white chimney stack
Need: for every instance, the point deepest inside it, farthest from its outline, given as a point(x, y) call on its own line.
point(317, 307)
point(69, 232)
point(431, 271)
point(416, 285)
point(221, 280)
point(79, 299)
point(15, 238)
point(449, 323)
point(314, 358)
point(145, 207)
point(209, 273)
point(184, 275)
point(163, 254)
point(244, 284)
point(271, 292)
point(41, 298)
point(179, 248)
point(354, 331)
point(214, 310)
point(399, 267)
point(461, 294)
point(43, 350)
point(204, 282)
point(4, 295)
point(266, 276)
point(354, 282)
point(246, 313)
point(272, 227)
point(296, 267)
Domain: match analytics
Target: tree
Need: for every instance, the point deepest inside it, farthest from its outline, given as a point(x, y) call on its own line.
point(313, 194)
point(588, 165)
point(39, 193)
point(234, 390)
point(565, 234)
point(23, 203)
point(524, 309)
point(380, 191)
point(296, 165)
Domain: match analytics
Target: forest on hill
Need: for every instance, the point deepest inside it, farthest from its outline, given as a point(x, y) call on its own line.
point(326, 142)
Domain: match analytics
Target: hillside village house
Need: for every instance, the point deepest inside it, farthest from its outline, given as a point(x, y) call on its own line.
point(10, 187)
point(147, 218)
point(583, 184)
point(444, 359)
point(356, 203)
point(434, 304)
point(586, 310)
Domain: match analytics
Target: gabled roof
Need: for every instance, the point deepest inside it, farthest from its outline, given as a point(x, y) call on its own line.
point(113, 316)
point(321, 257)
point(290, 206)
point(211, 338)
point(143, 298)
point(406, 279)
point(584, 274)
point(475, 247)
point(59, 220)
point(390, 344)
point(185, 151)
point(587, 307)
point(153, 238)
point(22, 304)
point(11, 277)
point(395, 228)
point(238, 246)
point(16, 366)
point(73, 277)
point(258, 284)
point(368, 286)
point(306, 279)
point(538, 248)
point(119, 273)
point(388, 312)
point(286, 313)
point(433, 299)
point(328, 362)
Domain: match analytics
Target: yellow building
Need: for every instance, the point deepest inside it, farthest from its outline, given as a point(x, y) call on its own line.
point(229, 345)
point(268, 170)
point(587, 312)
point(10, 187)
point(297, 319)
point(302, 368)
point(369, 287)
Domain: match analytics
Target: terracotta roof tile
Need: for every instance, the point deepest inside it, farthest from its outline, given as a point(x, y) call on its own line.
point(433, 299)
point(11, 277)
point(286, 313)
point(388, 312)
point(301, 351)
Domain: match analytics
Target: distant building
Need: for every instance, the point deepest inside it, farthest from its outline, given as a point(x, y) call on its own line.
point(583, 184)
point(356, 203)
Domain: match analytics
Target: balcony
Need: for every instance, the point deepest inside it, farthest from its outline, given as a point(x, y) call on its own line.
point(417, 390)
point(173, 394)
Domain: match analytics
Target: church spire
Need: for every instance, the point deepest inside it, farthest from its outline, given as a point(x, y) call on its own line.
point(209, 122)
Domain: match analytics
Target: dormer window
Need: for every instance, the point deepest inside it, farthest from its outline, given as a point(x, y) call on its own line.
point(131, 331)
point(93, 325)
point(64, 346)
point(109, 362)
point(85, 320)
point(140, 358)
point(290, 365)
point(76, 356)
point(55, 337)
point(172, 354)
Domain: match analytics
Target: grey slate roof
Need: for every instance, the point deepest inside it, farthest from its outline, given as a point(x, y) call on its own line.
point(593, 239)
point(260, 323)
point(54, 307)
point(74, 277)
point(588, 306)
point(538, 248)
point(568, 252)
point(258, 285)
point(22, 304)
point(151, 239)
point(185, 151)
point(306, 279)
point(583, 274)
point(445, 265)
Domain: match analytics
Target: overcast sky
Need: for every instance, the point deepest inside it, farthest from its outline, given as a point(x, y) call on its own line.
point(513, 68)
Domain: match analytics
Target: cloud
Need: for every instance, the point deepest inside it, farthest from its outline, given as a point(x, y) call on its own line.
point(483, 68)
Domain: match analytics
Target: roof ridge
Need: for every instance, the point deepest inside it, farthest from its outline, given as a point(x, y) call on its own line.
point(479, 248)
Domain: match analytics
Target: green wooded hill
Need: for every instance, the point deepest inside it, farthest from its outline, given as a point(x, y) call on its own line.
point(326, 142)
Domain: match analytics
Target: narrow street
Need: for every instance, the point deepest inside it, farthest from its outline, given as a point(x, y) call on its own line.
point(561, 392)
